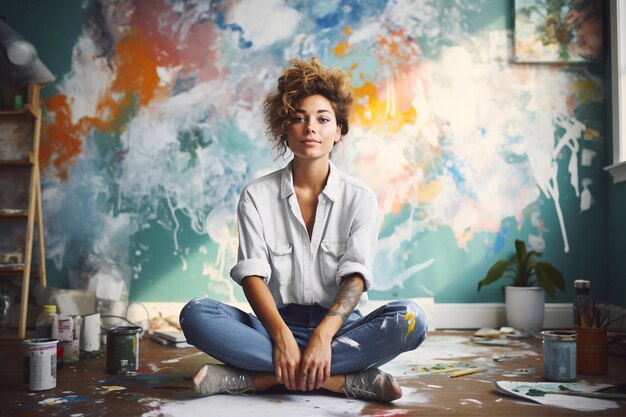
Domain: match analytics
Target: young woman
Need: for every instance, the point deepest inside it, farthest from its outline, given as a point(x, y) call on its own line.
point(307, 237)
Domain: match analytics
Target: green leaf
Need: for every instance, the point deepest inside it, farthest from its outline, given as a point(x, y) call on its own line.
point(545, 283)
point(523, 257)
point(495, 272)
point(525, 270)
point(554, 274)
point(520, 251)
point(549, 277)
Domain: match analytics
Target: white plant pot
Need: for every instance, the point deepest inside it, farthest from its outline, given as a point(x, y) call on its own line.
point(525, 308)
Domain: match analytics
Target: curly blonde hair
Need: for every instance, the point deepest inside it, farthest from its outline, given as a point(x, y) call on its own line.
point(299, 80)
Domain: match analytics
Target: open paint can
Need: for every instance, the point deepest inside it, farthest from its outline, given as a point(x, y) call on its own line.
point(123, 349)
point(559, 355)
point(40, 364)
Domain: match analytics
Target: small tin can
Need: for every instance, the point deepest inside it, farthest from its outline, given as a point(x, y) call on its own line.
point(65, 329)
point(40, 364)
point(123, 349)
point(559, 355)
point(69, 337)
point(71, 351)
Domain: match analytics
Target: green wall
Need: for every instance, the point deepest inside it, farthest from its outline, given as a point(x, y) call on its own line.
point(166, 234)
point(616, 212)
point(617, 243)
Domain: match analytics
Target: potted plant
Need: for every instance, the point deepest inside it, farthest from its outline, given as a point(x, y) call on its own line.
point(525, 298)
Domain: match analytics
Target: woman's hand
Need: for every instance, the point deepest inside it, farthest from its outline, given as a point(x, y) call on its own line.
point(287, 357)
point(286, 350)
point(315, 363)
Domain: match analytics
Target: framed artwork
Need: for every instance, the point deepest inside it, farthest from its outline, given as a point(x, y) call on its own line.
point(558, 31)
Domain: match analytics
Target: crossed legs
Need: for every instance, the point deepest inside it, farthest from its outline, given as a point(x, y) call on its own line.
point(240, 340)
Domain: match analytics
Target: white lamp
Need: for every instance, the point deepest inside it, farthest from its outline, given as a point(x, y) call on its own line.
point(19, 63)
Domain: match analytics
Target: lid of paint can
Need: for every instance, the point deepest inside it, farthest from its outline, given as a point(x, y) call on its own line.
point(41, 341)
point(124, 330)
point(560, 335)
point(582, 283)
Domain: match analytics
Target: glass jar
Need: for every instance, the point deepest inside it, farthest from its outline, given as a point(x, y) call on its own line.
point(47, 322)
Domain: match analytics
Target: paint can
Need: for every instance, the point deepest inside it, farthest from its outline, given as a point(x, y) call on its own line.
point(65, 325)
point(40, 364)
point(123, 349)
point(559, 355)
point(71, 347)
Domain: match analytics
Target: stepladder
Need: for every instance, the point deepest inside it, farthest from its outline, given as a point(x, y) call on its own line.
point(21, 212)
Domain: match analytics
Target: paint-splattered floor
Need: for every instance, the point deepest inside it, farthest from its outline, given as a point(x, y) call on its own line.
point(162, 386)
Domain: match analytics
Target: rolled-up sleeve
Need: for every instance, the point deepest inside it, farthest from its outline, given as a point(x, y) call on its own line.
point(361, 245)
point(252, 256)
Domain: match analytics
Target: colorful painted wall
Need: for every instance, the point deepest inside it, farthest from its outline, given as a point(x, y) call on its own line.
point(155, 124)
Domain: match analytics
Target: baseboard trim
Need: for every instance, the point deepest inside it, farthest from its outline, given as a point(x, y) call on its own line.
point(440, 315)
point(476, 315)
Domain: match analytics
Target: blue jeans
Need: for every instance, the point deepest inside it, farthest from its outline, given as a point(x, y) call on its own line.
point(239, 339)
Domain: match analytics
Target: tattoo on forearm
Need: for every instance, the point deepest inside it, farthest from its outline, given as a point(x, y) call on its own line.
point(347, 298)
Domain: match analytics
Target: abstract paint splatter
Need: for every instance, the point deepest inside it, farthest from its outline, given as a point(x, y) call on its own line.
point(158, 126)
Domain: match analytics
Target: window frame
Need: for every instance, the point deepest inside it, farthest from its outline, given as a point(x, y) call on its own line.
point(617, 18)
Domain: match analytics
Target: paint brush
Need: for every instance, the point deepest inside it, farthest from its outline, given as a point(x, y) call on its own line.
point(466, 372)
point(443, 371)
point(584, 306)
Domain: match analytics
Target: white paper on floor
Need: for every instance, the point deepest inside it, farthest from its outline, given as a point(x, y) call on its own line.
point(292, 405)
point(547, 393)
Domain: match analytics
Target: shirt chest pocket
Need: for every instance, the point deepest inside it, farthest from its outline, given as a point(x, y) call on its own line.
point(281, 256)
point(332, 251)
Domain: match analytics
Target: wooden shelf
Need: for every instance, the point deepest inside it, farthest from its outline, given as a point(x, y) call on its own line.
point(28, 110)
point(17, 270)
point(13, 214)
point(11, 268)
point(16, 162)
point(9, 336)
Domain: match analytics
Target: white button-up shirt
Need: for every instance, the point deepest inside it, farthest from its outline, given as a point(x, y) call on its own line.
point(274, 243)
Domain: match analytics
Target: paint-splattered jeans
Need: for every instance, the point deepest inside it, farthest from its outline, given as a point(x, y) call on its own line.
point(239, 339)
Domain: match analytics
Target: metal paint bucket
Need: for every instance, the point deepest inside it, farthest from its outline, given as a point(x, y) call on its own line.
point(40, 364)
point(559, 355)
point(123, 349)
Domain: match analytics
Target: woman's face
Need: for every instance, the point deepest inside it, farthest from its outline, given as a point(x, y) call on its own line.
point(312, 130)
